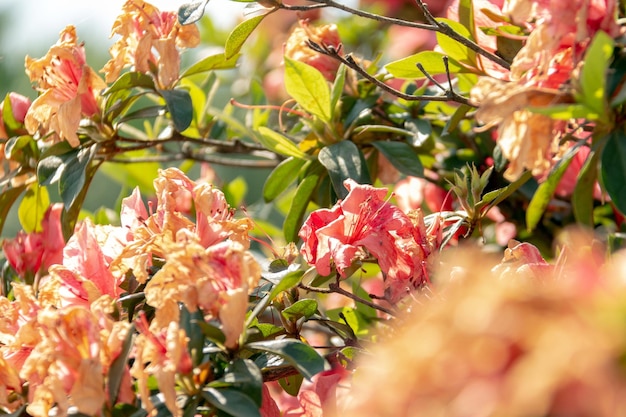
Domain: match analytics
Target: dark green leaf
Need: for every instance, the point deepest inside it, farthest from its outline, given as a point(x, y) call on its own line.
point(246, 376)
point(344, 160)
point(7, 199)
point(303, 357)
point(210, 63)
point(190, 323)
point(212, 332)
point(144, 113)
point(70, 215)
point(582, 198)
point(232, 401)
point(130, 80)
point(288, 282)
point(191, 12)
point(116, 371)
point(240, 34)
point(301, 308)
point(301, 199)
point(545, 191)
point(402, 156)
point(73, 175)
point(421, 129)
point(281, 177)
point(613, 171)
point(179, 105)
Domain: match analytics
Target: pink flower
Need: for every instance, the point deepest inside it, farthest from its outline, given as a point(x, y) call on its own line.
point(31, 252)
point(364, 224)
point(19, 106)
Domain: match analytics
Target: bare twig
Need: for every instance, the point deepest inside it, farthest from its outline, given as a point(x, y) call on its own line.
point(336, 288)
point(450, 95)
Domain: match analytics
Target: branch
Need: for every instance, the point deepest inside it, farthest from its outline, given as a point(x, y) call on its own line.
point(450, 95)
point(433, 25)
point(336, 288)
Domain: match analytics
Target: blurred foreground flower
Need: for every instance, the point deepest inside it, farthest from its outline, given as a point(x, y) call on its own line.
point(495, 346)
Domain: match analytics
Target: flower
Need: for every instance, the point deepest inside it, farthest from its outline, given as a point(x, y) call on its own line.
point(297, 48)
point(160, 352)
point(69, 89)
point(364, 224)
point(149, 39)
point(19, 108)
point(35, 251)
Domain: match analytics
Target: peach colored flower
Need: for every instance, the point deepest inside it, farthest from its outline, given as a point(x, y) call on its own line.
point(69, 89)
point(149, 39)
point(297, 49)
point(160, 352)
point(64, 369)
point(528, 140)
point(216, 280)
point(364, 224)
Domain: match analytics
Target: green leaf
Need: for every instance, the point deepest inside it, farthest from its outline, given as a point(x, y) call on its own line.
point(7, 116)
point(281, 177)
point(455, 49)
point(33, 207)
point(288, 282)
point(179, 105)
point(190, 323)
point(455, 119)
point(302, 357)
point(232, 401)
point(116, 371)
point(136, 174)
point(72, 211)
point(402, 156)
point(73, 170)
point(240, 34)
point(406, 68)
point(337, 88)
point(7, 199)
point(545, 191)
point(278, 143)
point(567, 111)
point(191, 12)
point(582, 198)
point(291, 384)
point(594, 72)
point(246, 376)
point(301, 308)
point(213, 333)
point(466, 17)
point(293, 220)
point(130, 80)
point(613, 171)
point(344, 160)
point(309, 88)
point(210, 63)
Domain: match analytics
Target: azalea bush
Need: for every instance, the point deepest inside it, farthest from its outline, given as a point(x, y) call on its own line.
point(439, 228)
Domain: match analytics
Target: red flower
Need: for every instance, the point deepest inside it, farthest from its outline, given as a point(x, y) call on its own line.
point(364, 224)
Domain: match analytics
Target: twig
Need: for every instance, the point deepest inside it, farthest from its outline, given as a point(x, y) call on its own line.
point(434, 25)
point(336, 288)
point(450, 95)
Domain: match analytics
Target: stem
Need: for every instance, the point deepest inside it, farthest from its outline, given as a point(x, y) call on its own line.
point(336, 288)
